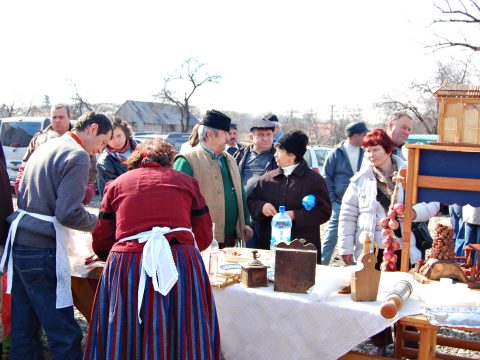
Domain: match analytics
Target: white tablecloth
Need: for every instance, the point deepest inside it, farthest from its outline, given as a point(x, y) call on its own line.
point(258, 323)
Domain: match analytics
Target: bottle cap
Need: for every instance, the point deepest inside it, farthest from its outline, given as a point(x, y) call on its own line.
point(281, 209)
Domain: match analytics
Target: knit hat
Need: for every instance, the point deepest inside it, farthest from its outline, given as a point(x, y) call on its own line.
point(217, 120)
point(262, 124)
point(271, 117)
point(233, 126)
point(356, 128)
point(294, 142)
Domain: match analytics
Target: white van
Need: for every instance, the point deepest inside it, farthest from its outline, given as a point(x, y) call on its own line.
point(15, 135)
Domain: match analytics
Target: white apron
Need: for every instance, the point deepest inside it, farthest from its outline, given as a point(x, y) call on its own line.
point(62, 235)
point(157, 261)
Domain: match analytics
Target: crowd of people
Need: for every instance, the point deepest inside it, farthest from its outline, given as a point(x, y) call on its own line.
point(156, 215)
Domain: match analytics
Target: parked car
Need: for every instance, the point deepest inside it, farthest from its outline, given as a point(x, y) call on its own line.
point(15, 135)
point(143, 137)
point(315, 157)
point(421, 138)
point(176, 139)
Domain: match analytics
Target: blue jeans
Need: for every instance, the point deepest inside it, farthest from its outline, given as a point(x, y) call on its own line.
point(33, 306)
point(330, 241)
point(458, 228)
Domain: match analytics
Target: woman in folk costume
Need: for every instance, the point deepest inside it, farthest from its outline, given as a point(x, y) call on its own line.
point(154, 299)
point(111, 164)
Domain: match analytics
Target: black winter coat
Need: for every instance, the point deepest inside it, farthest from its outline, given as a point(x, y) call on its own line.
point(275, 188)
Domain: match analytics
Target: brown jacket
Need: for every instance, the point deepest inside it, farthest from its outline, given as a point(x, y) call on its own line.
point(277, 189)
point(209, 176)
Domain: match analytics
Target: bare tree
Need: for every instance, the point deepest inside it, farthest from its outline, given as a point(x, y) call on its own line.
point(12, 110)
point(421, 102)
point(191, 75)
point(463, 14)
point(80, 104)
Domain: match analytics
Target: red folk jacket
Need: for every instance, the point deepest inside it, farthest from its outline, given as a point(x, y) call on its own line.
point(146, 197)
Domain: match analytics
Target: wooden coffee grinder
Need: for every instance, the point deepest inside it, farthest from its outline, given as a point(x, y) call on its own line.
point(254, 274)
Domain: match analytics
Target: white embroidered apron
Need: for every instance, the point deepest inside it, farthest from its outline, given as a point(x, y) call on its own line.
point(62, 235)
point(157, 261)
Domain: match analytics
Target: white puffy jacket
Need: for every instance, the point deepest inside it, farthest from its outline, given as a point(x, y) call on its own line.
point(360, 211)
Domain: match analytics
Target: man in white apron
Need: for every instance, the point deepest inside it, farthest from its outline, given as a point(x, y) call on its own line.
point(36, 258)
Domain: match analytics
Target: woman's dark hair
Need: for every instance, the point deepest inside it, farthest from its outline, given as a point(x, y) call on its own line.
point(91, 117)
point(152, 151)
point(294, 142)
point(379, 137)
point(118, 122)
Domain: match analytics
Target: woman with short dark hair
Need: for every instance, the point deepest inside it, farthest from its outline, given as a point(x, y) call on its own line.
point(154, 299)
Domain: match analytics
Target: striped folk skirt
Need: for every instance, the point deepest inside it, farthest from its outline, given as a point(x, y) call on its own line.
point(181, 325)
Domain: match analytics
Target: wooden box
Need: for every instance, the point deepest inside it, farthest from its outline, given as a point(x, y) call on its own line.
point(458, 114)
point(295, 266)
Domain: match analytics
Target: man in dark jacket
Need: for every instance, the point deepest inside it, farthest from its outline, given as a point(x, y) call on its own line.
point(341, 164)
point(255, 160)
point(5, 198)
point(232, 145)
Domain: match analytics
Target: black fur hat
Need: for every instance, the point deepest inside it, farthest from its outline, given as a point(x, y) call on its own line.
point(294, 142)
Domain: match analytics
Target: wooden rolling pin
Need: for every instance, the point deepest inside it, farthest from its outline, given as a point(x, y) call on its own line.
point(394, 301)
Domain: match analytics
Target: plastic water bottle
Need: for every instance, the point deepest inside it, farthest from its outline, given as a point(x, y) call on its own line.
point(213, 256)
point(281, 232)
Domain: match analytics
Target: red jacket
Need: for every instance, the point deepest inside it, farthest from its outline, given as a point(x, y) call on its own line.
point(146, 197)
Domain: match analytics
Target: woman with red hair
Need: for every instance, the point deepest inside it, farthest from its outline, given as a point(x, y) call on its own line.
point(367, 199)
point(366, 202)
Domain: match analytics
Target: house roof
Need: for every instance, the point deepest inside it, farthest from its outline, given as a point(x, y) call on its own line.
point(151, 113)
point(459, 90)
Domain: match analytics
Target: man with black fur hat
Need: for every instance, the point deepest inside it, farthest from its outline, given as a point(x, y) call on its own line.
point(341, 164)
point(219, 179)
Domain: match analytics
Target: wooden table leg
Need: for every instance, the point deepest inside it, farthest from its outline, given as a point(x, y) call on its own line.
point(428, 343)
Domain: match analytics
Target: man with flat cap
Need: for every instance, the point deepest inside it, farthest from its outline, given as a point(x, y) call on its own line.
point(341, 164)
point(219, 179)
point(277, 132)
point(232, 145)
point(255, 160)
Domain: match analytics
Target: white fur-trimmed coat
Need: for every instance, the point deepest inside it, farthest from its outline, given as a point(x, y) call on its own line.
point(360, 211)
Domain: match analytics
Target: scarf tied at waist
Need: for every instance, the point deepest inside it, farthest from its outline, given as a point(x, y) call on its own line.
point(157, 261)
point(62, 263)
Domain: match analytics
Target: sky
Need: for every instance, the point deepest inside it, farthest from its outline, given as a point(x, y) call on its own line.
point(272, 56)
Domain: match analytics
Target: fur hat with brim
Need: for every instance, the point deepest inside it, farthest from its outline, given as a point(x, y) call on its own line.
point(294, 142)
point(217, 120)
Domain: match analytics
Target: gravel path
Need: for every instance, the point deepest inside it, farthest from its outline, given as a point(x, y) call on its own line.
point(364, 347)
